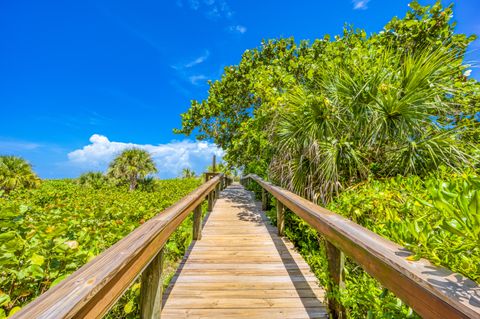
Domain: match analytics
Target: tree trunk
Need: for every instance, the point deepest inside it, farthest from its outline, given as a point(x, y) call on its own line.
point(133, 183)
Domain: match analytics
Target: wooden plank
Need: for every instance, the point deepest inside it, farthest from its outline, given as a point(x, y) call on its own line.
point(186, 302)
point(290, 313)
point(245, 293)
point(222, 286)
point(432, 291)
point(241, 268)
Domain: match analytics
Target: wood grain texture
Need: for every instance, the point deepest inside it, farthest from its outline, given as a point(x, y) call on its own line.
point(280, 218)
point(336, 264)
point(242, 269)
point(151, 289)
point(94, 288)
point(197, 223)
point(432, 291)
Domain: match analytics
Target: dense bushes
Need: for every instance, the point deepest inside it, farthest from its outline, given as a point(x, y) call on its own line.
point(437, 218)
point(49, 232)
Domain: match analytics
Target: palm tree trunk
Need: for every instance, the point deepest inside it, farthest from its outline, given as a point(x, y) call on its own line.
point(133, 183)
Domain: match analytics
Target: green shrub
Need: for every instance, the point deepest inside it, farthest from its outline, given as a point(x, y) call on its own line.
point(49, 232)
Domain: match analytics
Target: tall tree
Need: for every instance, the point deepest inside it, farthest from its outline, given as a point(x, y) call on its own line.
point(188, 173)
point(16, 173)
point(352, 81)
point(131, 166)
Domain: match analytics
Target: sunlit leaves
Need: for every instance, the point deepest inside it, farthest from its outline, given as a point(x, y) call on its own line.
point(49, 232)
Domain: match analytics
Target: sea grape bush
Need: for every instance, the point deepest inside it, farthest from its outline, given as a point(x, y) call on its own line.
point(49, 232)
point(437, 218)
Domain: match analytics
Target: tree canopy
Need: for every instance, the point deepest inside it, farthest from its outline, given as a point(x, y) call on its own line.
point(316, 116)
point(131, 166)
point(16, 173)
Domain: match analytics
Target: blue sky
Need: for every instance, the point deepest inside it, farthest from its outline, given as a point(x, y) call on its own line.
point(81, 80)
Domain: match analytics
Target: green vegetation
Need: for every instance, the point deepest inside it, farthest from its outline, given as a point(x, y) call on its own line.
point(15, 173)
point(49, 232)
point(188, 173)
point(93, 179)
point(318, 117)
point(131, 166)
point(436, 217)
point(380, 129)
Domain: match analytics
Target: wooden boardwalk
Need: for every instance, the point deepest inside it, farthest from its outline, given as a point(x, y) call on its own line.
point(242, 269)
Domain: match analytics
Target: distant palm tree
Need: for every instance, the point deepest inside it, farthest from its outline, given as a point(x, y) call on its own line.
point(131, 166)
point(92, 179)
point(188, 173)
point(15, 173)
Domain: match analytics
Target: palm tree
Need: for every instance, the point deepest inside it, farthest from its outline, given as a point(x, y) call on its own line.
point(188, 173)
point(92, 179)
point(131, 166)
point(15, 173)
point(368, 116)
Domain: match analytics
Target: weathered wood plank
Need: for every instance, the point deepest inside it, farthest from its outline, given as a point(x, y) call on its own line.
point(290, 313)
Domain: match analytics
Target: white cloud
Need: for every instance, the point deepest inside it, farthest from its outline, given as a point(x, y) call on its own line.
point(360, 4)
point(198, 60)
point(170, 158)
point(238, 29)
point(197, 79)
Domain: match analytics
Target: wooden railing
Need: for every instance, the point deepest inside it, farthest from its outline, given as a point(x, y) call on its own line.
point(93, 289)
point(432, 291)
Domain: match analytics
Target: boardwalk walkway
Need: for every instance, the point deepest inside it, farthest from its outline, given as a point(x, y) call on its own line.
point(242, 269)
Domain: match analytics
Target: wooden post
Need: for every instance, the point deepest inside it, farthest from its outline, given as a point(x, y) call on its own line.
point(336, 262)
point(217, 191)
point(280, 218)
point(197, 223)
point(214, 166)
point(210, 201)
point(151, 288)
point(264, 199)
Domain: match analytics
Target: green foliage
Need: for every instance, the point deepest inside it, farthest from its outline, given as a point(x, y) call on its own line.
point(188, 173)
point(368, 116)
point(16, 173)
point(320, 116)
point(436, 218)
point(130, 166)
point(93, 179)
point(48, 233)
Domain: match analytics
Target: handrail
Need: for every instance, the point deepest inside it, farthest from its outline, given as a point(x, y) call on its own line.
point(432, 291)
point(92, 290)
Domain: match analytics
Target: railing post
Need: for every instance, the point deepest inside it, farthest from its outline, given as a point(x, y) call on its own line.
point(210, 201)
point(151, 288)
point(197, 223)
point(336, 262)
point(280, 218)
point(217, 191)
point(264, 199)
